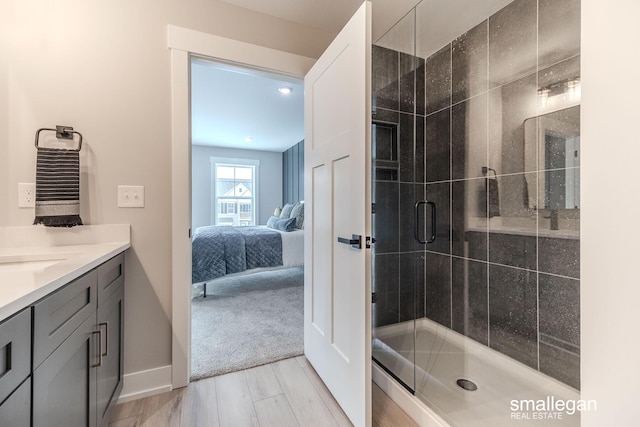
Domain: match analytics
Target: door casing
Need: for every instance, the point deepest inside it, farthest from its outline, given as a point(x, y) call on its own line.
point(185, 44)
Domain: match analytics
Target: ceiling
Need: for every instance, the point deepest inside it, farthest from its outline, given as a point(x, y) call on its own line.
point(330, 15)
point(436, 23)
point(229, 104)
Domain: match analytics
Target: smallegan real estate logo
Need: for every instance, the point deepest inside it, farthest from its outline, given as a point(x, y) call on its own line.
point(549, 408)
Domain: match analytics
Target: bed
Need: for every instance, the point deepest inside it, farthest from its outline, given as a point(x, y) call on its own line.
point(219, 251)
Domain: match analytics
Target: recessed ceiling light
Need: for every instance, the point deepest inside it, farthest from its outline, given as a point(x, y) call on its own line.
point(248, 139)
point(285, 90)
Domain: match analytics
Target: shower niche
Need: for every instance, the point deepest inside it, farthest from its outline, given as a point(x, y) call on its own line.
point(493, 302)
point(384, 137)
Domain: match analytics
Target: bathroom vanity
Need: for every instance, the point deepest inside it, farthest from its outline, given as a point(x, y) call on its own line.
point(61, 324)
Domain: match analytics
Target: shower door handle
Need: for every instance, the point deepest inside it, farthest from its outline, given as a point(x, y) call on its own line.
point(432, 237)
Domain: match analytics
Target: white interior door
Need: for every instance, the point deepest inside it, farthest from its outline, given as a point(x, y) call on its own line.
point(337, 297)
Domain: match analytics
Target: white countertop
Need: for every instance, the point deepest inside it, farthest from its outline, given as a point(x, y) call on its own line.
point(36, 260)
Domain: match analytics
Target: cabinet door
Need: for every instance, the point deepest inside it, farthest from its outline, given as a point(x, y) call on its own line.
point(110, 321)
point(15, 352)
point(64, 385)
point(110, 276)
point(16, 410)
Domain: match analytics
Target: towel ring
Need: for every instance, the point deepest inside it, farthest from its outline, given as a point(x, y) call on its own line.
point(62, 132)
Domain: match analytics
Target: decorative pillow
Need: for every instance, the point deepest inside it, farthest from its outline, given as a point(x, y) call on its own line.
point(286, 224)
point(286, 211)
point(277, 212)
point(271, 222)
point(298, 213)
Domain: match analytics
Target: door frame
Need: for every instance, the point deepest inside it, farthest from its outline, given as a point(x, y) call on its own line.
point(184, 44)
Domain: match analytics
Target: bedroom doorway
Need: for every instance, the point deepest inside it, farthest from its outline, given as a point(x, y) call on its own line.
point(247, 291)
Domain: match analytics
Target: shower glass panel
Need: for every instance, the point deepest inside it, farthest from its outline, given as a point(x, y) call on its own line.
point(476, 120)
point(397, 183)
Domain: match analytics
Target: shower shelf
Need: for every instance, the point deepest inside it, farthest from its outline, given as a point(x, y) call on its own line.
point(387, 164)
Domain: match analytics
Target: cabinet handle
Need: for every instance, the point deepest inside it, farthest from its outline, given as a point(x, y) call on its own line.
point(99, 332)
point(106, 340)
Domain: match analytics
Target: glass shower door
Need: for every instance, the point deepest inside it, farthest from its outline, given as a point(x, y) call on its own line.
point(395, 166)
point(477, 144)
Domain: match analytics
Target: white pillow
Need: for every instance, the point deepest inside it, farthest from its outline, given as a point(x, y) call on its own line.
point(298, 213)
point(286, 211)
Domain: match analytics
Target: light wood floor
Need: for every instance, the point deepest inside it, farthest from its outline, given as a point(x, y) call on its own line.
point(281, 394)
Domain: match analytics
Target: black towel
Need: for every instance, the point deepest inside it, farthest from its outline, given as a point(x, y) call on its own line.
point(491, 187)
point(58, 188)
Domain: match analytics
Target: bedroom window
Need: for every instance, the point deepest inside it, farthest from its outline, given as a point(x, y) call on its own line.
point(234, 191)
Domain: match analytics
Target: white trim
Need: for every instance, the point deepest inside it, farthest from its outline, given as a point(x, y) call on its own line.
point(185, 43)
point(180, 218)
point(231, 160)
point(145, 383)
point(213, 160)
point(417, 410)
point(204, 44)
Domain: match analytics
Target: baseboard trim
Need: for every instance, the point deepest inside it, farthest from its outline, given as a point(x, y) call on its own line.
point(137, 385)
point(418, 411)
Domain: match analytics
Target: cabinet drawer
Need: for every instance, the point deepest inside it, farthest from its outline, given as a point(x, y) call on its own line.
point(16, 410)
point(110, 276)
point(59, 314)
point(15, 351)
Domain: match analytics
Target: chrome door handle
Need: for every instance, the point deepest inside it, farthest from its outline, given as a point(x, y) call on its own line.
point(432, 237)
point(355, 241)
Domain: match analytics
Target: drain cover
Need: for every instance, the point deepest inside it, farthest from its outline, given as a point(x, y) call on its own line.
point(467, 384)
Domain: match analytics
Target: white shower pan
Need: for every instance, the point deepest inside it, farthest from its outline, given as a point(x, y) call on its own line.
point(443, 357)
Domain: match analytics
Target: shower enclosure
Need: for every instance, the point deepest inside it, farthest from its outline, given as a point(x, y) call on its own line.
point(476, 190)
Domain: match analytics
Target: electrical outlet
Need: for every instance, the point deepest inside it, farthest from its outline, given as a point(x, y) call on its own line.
point(26, 195)
point(130, 196)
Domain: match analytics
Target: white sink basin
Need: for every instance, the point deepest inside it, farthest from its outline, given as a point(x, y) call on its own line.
point(30, 262)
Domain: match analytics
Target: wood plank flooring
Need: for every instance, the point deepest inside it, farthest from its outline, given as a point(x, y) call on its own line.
point(288, 393)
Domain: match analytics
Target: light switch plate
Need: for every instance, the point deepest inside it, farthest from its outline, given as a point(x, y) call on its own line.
point(130, 196)
point(26, 195)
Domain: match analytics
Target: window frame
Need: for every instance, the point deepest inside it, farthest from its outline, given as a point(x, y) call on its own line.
point(235, 162)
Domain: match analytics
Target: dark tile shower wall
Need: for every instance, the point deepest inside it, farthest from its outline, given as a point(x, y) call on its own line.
point(515, 288)
point(400, 176)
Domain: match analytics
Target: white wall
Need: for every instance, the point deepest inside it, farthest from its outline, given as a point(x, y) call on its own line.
point(104, 68)
point(4, 120)
point(269, 181)
point(610, 209)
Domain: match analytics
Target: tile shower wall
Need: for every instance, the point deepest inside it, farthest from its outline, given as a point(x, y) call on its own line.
point(399, 183)
point(504, 269)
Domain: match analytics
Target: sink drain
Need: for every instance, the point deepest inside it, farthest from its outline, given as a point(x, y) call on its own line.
point(467, 384)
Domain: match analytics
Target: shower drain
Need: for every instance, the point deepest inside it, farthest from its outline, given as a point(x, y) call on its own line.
point(467, 384)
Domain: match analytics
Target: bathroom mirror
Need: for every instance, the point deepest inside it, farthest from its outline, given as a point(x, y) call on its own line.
point(552, 146)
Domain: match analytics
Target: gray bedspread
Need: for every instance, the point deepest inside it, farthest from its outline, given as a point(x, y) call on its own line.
point(220, 250)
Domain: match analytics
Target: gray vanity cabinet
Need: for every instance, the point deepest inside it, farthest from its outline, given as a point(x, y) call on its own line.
point(15, 384)
point(79, 379)
point(110, 319)
point(64, 385)
point(16, 410)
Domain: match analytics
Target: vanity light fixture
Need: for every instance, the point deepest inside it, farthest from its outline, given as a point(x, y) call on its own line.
point(544, 95)
point(285, 90)
point(569, 89)
point(574, 89)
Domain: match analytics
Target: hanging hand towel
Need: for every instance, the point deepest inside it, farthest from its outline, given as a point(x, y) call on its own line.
point(58, 188)
point(491, 185)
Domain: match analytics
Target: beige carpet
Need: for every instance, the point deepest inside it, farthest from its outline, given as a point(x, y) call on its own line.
point(247, 321)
